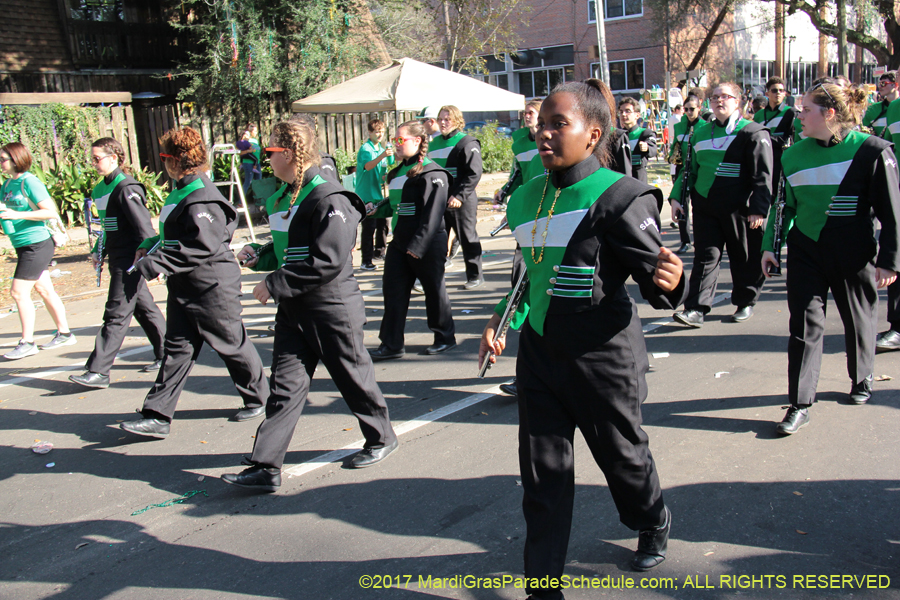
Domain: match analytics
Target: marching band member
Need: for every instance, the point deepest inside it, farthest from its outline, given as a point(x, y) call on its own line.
point(122, 206)
point(641, 141)
point(584, 230)
point(320, 313)
point(682, 132)
point(838, 182)
point(204, 283)
point(730, 171)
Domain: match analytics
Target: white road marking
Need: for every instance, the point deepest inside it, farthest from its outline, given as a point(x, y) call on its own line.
point(72, 367)
point(403, 428)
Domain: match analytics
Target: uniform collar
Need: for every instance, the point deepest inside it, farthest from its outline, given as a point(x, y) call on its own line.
point(187, 180)
point(450, 135)
point(112, 176)
point(635, 128)
point(587, 167)
point(730, 124)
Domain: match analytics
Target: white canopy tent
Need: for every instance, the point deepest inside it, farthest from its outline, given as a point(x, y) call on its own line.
point(409, 85)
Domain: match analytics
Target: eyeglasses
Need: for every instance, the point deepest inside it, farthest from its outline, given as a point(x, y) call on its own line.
point(402, 140)
point(886, 83)
point(4, 159)
point(271, 151)
point(821, 86)
point(722, 97)
point(164, 156)
point(778, 90)
point(98, 159)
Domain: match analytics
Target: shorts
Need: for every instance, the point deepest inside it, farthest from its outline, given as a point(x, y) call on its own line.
point(33, 260)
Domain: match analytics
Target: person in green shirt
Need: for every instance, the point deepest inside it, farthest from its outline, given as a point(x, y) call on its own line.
point(25, 205)
point(250, 156)
point(372, 163)
point(839, 181)
point(875, 116)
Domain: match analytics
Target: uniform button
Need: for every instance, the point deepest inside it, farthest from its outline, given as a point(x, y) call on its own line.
point(553, 280)
point(827, 212)
point(549, 292)
point(556, 268)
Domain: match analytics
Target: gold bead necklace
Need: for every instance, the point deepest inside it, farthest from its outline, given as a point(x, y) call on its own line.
point(538, 260)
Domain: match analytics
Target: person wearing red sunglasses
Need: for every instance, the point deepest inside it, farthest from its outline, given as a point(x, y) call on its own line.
point(196, 225)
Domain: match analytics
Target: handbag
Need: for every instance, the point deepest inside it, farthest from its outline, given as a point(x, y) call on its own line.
point(54, 225)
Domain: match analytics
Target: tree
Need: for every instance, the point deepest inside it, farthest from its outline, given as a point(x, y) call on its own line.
point(245, 50)
point(471, 28)
point(408, 28)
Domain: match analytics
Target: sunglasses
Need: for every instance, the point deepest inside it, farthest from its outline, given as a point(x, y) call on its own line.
point(691, 108)
point(164, 156)
point(885, 83)
point(821, 86)
point(778, 90)
point(98, 159)
point(402, 140)
point(271, 151)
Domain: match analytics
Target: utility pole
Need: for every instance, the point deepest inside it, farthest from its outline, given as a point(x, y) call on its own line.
point(600, 14)
point(668, 56)
point(779, 39)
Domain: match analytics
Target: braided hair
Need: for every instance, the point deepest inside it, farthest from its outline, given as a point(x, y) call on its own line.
point(298, 137)
point(112, 146)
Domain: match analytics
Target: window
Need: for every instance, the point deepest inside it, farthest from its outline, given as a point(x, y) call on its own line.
point(97, 10)
point(616, 9)
point(624, 75)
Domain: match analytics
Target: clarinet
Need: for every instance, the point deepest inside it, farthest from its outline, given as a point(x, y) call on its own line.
point(375, 207)
point(779, 217)
point(686, 170)
point(100, 256)
point(512, 176)
point(155, 247)
point(264, 248)
point(500, 228)
point(514, 298)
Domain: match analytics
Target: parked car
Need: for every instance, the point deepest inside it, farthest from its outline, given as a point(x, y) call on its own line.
point(501, 129)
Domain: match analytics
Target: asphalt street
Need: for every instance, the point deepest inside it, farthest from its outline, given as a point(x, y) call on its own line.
point(814, 515)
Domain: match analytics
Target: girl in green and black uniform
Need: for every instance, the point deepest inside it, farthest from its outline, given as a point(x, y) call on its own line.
point(681, 135)
point(838, 182)
point(731, 192)
point(584, 230)
point(526, 161)
point(24, 207)
point(320, 314)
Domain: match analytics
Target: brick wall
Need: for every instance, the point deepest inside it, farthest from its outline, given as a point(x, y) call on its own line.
point(31, 37)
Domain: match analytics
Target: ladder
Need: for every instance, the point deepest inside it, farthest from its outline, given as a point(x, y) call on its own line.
point(234, 181)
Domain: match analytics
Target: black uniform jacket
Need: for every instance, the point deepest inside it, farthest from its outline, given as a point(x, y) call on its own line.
point(429, 192)
point(466, 158)
point(785, 128)
point(325, 222)
point(128, 206)
point(328, 168)
point(872, 177)
point(649, 137)
point(751, 193)
point(202, 263)
point(620, 151)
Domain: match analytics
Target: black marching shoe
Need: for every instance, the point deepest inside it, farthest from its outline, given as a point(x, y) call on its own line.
point(155, 428)
point(509, 388)
point(256, 477)
point(691, 318)
point(862, 391)
point(248, 413)
point(887, 341)
point(91, 380)
point(652, 545)
point(684, 248)
point(743, 313)
point(473, 283)
point(156, 365)
point(385, 353)
point(439, 348)
point(369, 456)
point(794, 419)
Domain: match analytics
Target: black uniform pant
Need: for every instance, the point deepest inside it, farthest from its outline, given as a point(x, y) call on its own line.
point(128, 295)
point(812, 272)
point(712, 234)
point(188, 327)
point(377, 229)
point(684, 221)
point(400, 273)
point(597, 387)
point(463, 221)
point(336, 339)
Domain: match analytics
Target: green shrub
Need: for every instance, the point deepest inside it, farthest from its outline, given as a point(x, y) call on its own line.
point(343, 159)
point(156, 193)
point(496, 148)
point(68, 185)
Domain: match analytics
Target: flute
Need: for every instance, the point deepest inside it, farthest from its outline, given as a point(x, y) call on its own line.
point(155, 247)
point(500, 228)
point(100, 257)
point(514, 298)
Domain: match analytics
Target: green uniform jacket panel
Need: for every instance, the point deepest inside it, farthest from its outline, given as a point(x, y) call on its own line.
point(876, 116)
point(730, 173)
point(779, 122)
point(836, 191)
point(121, 203)
point(604, 229)
point(636, 135)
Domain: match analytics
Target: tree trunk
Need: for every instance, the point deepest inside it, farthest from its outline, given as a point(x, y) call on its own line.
point(701, 51)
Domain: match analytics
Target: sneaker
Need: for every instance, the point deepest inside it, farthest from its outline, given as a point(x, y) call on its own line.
point(58, 340)
point(367, 266)
point(22, 350)
point(417, 288)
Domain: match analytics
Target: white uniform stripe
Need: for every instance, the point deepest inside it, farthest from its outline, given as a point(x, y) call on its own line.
point(440, 152)
point(524, 157)
point(825, 175)
point(166, 211)
point(564, 226)
point(277, 222)
point(719, 144)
